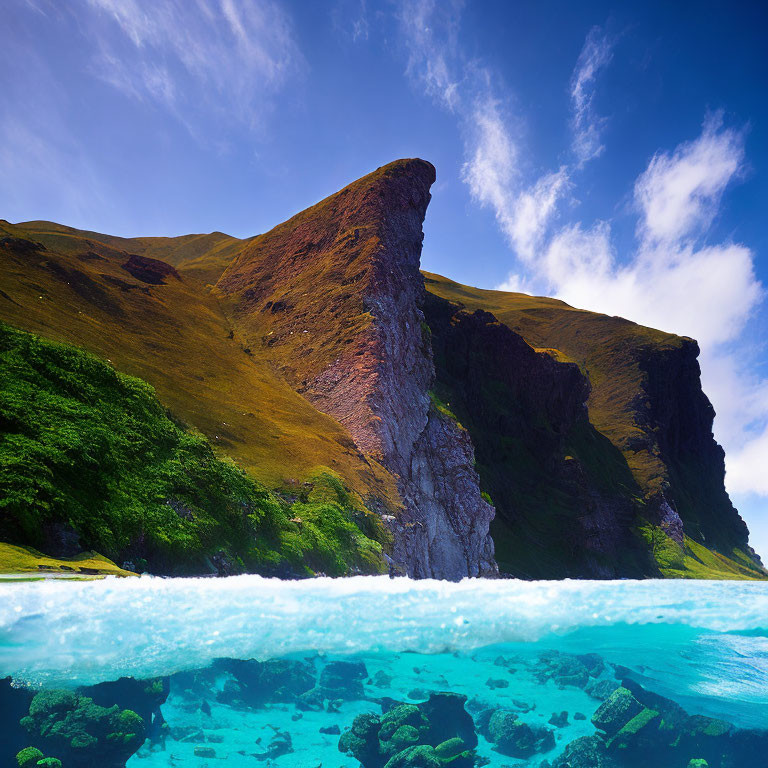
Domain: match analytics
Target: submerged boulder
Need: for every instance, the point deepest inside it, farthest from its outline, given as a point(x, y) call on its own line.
point(343, 680)
point(255, 683)
point(511, 736)
point(81, 733)
point(586, 752)
point(617, 710)
point(437, 732)
point(565, 669)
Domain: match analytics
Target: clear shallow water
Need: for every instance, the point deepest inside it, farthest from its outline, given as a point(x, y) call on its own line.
point(525, 649)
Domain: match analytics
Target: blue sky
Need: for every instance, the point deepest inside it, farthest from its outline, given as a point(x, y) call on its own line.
point(614, 155)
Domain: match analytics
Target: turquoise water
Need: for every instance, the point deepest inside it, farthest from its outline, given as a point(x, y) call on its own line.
point(246, 671)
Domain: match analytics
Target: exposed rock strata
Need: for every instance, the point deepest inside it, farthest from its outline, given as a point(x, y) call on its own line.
point(334, 295)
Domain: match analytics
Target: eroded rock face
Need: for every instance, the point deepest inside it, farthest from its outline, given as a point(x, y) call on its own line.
point(334, 296)
point(539, 457)
point(676, 418)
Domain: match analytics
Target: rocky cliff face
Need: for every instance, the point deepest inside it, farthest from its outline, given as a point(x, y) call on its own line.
point(313, 350)
point(333, 297)
point(561, 507)
point(676, 419)
point(632, 484)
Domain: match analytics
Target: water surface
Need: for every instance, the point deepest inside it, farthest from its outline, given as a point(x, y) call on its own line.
point(620, 659)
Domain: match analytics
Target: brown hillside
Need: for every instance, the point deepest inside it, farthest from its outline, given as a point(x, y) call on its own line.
point(74, 287)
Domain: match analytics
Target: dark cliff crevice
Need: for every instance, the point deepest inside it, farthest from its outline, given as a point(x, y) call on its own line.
point(565, 498)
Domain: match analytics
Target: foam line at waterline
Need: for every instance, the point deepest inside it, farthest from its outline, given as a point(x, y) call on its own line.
point(90, 631)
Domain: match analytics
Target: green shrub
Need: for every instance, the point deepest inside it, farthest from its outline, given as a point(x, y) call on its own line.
point(86, 447)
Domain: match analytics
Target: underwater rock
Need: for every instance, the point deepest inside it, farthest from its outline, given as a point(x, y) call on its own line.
point(559, 720)
point(362, 740)
point(436, 732)
point(586, 752)
point(28, 757)
point(331, 730)
point(257, 682)
point(565, 669)
point(496, 683)
point(311, 701)
point(343, 680)
point(280, 744)
point(417, 693)
point(14, 704)
point(381, 679)
point(415, 757)
point(617, 710)
point(512, 737)
point(142, 696)
point(639, 732)
point(601, 689)
point(448, 718)
point(81, 733)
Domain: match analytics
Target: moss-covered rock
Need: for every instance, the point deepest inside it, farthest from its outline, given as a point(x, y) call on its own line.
point(642, 728)
point(436, 732)
point(422, 756)
point(617, 710)
point(586, 752)
point(511, 736)
point(81, 732)
point(28, 757)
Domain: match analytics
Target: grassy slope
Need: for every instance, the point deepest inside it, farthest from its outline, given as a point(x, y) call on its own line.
point(176, 337)
point(26, 560)
point(603, 348)
point(91, 449)
point(201, 257)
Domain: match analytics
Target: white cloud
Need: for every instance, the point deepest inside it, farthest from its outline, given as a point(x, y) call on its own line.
point(430, 31)
point(587, 126)
point(746, 467)
point(679, 193)
point(672, 279)
point(527, 219)
point(223, 56)
point(674, 283)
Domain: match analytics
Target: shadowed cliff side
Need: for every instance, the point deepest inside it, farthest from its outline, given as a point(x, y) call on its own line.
point(332, 296)
point(565, 499)
point(650, 431)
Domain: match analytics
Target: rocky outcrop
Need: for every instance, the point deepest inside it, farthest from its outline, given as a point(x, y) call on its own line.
point(333, 297)
point(561, 490)
point(630, 486)
point(676, 419)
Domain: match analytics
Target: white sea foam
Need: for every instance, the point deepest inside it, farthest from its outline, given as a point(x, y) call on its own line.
point(90, 631)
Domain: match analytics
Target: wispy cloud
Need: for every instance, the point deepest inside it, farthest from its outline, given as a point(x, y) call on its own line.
point(586, 124)
point(679, 193)
point(671, 279)
point(220, 55)
point(430, 30)
point(44, 168)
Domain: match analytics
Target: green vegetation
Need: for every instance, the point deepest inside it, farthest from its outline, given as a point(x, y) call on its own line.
point(70, 286)
point(26, 560)
point(71, 725)
point(90, 449)
point(692, 560)
point(443, 408)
